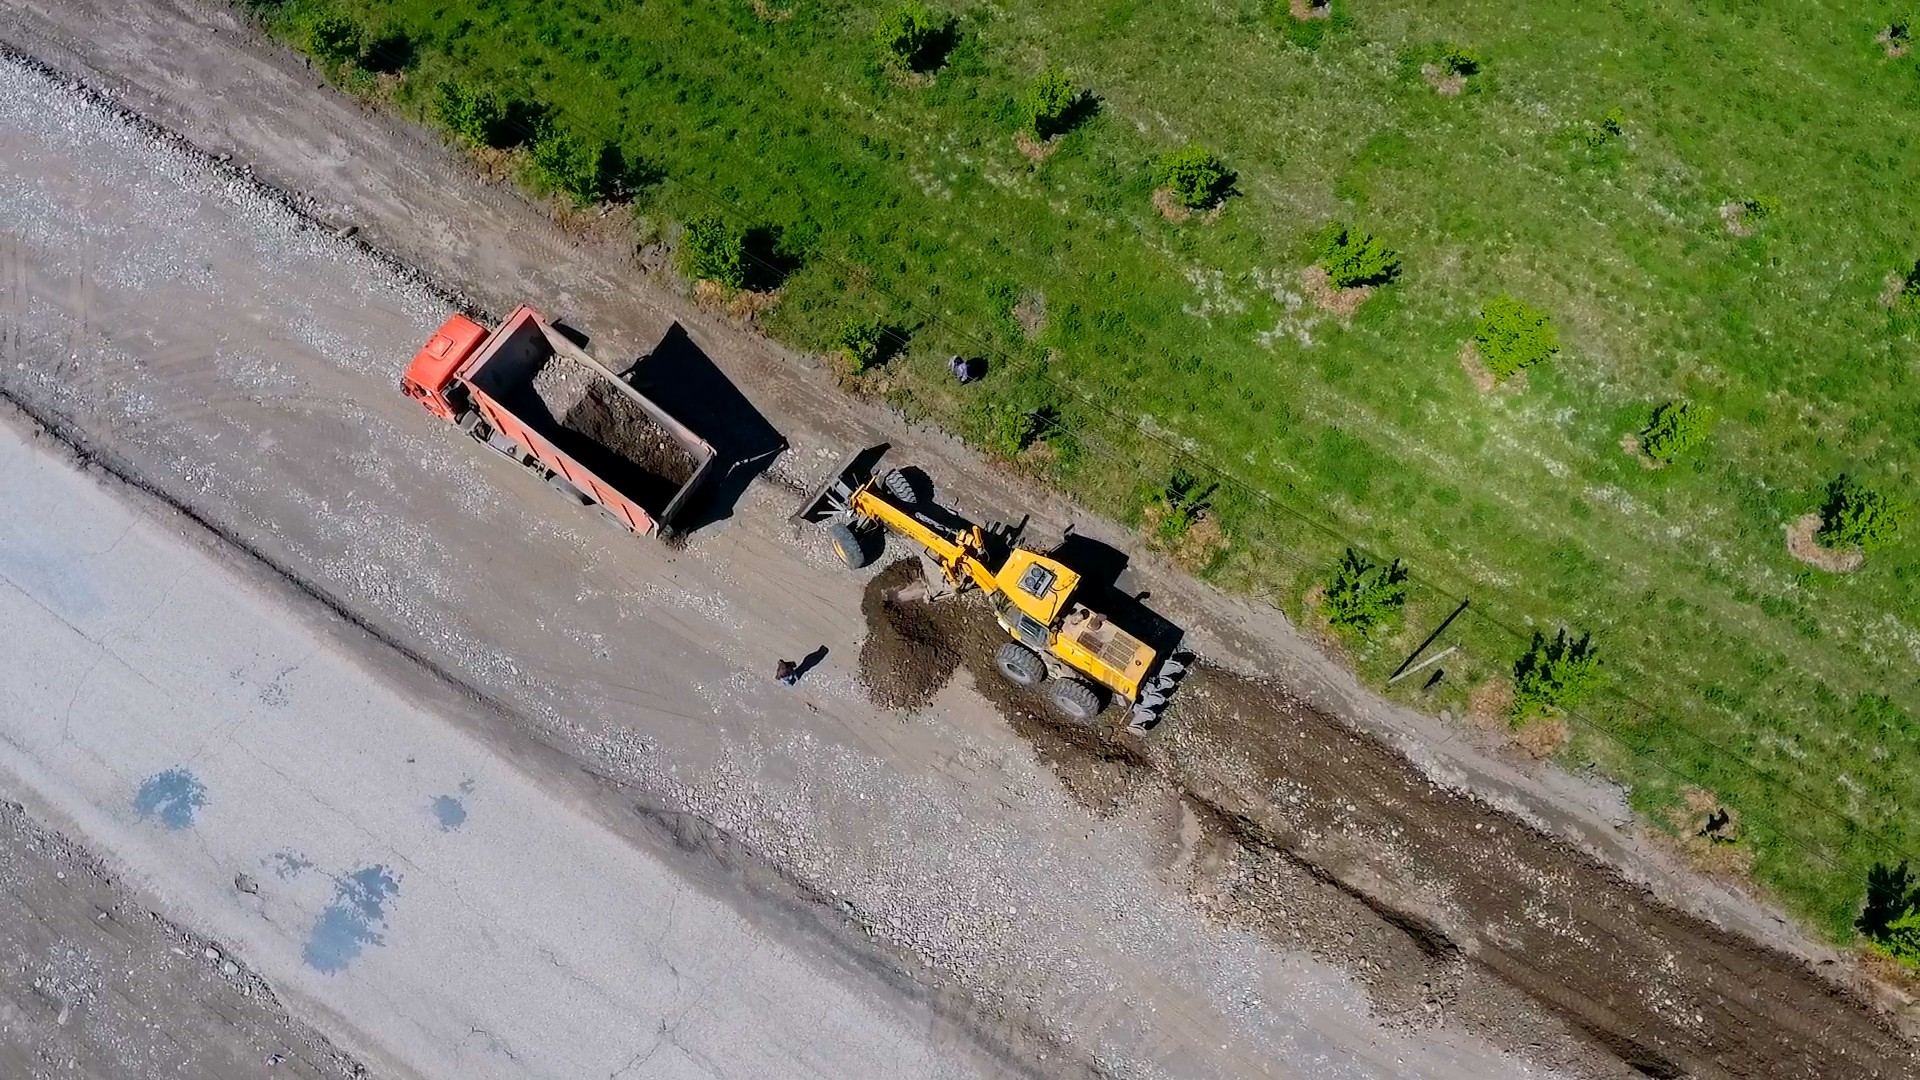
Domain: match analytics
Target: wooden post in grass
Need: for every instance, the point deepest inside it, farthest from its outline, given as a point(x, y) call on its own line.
point(1437, 631)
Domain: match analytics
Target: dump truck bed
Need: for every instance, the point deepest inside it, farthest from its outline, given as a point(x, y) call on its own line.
point(585, 423)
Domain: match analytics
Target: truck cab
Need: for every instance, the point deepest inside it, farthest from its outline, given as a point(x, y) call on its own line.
point(429, 379)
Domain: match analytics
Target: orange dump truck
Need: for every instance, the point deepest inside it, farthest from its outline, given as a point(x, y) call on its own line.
point(533, 395)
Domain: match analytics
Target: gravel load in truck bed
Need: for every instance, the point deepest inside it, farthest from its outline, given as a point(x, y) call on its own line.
point(607, 431)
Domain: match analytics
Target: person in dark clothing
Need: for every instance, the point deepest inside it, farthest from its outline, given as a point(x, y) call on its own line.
point(787, 672)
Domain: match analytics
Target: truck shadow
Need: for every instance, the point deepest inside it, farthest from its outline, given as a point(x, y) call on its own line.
point(681, 378)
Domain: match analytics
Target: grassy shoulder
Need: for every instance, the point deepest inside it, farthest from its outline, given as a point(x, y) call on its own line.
point(1178, 281)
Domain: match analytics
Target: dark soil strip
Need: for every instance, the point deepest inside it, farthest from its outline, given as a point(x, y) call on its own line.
point(1304, 800)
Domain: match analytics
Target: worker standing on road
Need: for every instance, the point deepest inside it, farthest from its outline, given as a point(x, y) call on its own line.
point(787, 672)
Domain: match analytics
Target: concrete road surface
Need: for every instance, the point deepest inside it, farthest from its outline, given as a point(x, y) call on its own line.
point(454, 911)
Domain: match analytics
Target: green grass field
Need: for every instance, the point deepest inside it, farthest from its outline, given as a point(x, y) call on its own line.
point(1789, 692)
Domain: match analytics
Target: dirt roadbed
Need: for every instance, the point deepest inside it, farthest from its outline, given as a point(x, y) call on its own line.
point(93, 983)
point(1299, 829)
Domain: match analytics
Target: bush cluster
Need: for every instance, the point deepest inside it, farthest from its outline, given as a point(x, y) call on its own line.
point(1857, 516)
point(1512, 336)
point(1676, 427)
point(1050, 103)
point(1907, 300)
point(1351, 257)
point(1556, 674)
point(1196, 177)
point(712, 250)
point(1362, 593)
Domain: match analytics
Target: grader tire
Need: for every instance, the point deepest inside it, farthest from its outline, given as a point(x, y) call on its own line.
point(1020, 665)
point(855, 548)
point(1074, 700)
point(900, 487)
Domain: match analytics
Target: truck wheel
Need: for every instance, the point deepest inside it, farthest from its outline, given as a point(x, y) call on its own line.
point(901, 487)
point(1074, 700)
point(1021, 665)
point(854, 547)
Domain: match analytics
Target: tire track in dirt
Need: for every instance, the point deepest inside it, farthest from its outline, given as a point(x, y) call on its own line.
point(1444, 907)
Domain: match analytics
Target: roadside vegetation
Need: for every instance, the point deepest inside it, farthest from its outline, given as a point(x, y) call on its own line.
point(1581, 275)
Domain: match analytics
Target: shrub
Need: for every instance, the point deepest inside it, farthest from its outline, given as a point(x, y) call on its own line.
point(585, 170)
point(1194, 175)
point(474, 113)
point(1308, 33)
point(860, 339)
point(1901, 939)
point(1362, 593)
point(1555, 674)
point(1907, 300)
point(1512, 336)
point(1183, 502)
point(711, 250)
point(912, 37)
point(1009, 427)
point(1605, 131)
point(335, 37)
point(1351, 257)
point(1857, 516)
point(1760, 207)
point(1676, 427)
point(1050, 103)
point(1457, 60)
point(1892, 892)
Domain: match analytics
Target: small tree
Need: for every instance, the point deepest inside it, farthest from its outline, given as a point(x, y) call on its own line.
point(1857, 516)
point(711, 250)
point(1362, 593)
point(335, 37)
point(911, 36)
point(1554, 674)
point(1050, 103)
point(1892, 891)
point(1009, 427)
point(1195, 176)
point(1512, 336)
point(1676, 427)
point(1351, 257)
point(860, 339)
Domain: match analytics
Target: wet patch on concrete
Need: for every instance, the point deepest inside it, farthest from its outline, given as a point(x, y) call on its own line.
point(288, 864)
point(354, 920)
point(450, 812)
point(172, 797)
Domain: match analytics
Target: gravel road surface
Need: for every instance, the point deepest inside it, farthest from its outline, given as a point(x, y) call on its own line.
point(196, 335)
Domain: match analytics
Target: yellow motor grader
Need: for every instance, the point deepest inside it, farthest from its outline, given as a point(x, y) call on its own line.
point(1057, 641)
